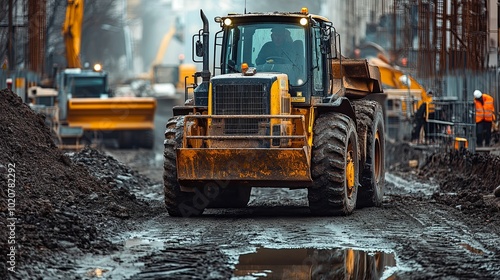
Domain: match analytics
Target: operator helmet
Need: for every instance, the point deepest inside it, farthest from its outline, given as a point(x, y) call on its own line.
point(477, 94)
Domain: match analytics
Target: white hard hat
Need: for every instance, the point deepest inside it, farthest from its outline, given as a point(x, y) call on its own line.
point(477, 94)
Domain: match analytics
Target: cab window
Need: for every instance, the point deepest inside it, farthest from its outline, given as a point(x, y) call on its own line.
point(270, 47)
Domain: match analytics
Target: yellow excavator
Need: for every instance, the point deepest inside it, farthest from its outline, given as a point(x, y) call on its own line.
point(167, 80)
point(404, 97)
point(84, 106)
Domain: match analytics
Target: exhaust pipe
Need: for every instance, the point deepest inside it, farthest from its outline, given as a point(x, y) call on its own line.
point(205, 71)
point(201, 90)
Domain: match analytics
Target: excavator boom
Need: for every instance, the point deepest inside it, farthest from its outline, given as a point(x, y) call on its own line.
point(72, 32)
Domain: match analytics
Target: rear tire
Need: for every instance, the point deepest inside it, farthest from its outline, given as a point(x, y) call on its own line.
point(177, 202)
point(370, 121)
point(335, 166)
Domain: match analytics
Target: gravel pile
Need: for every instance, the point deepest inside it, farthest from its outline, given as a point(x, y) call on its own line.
point(110, 171)
point(52, 202)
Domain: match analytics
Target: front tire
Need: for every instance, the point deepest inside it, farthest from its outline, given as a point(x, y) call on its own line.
point(334, 166)
point(177, 202)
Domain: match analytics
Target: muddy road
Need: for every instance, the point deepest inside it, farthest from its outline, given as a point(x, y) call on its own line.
point(116, 227)
point(407, 238)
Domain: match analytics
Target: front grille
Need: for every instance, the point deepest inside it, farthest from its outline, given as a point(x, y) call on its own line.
point(241, 99)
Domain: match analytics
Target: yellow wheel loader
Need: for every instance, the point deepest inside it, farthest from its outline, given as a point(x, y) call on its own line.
point(81, 107)
point(300, 116)
point(84, 102)
point(80, 111)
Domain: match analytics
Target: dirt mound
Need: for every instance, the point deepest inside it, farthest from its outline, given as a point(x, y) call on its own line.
point(54, 203)
point(466, 181)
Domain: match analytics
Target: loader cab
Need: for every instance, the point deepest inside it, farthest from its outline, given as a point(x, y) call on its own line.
point(85, 84)
point(299, 45)
point(78, 83)
point(269, 47)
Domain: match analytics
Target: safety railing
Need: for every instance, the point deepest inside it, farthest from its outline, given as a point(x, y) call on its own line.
point(302, 138)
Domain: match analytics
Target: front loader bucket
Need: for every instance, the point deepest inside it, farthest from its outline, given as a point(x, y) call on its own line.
point(250, 166)
point(112, 113)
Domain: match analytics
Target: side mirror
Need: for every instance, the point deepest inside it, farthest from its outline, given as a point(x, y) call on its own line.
point(336, 39)
point(199, 49)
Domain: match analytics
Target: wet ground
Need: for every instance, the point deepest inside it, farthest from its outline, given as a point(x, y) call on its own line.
point(100, 214)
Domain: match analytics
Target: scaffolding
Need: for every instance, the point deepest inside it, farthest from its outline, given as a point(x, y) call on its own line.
point(441, 38)
point(23, 29)
point(446, 46)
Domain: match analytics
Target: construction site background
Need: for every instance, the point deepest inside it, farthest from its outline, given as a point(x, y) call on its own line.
point(449, 46)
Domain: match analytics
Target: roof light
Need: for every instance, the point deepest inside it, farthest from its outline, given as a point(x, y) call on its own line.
point(303, 21)
point(97, 67)
point(304, 11)
point(244, 67)
point(228, 21)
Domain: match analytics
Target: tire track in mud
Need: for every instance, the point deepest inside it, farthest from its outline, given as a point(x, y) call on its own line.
point(428, 240)
point(441, 243)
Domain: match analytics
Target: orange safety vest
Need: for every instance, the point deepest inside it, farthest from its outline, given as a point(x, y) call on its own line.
point(485, 111)
point(430, 108)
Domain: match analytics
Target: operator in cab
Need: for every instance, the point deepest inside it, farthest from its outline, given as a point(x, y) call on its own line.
point(279, 46)
point(283, 54)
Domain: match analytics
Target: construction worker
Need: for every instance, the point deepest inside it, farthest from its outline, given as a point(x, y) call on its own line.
point(424, 113)
point(485, 115)
point(9, 83)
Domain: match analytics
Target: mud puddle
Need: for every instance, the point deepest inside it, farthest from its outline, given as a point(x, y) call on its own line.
point(312, 263)
point(151, 254)
point(122, 264)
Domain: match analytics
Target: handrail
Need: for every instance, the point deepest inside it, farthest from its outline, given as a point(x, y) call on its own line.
point(302, 137)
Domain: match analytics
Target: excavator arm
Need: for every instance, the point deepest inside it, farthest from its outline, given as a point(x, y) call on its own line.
point(72, 32)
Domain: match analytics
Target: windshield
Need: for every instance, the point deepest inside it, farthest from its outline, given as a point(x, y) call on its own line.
point(270, 47)
point(87, 87)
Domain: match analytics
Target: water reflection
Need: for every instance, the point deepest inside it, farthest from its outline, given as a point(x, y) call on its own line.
point(313, 264)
